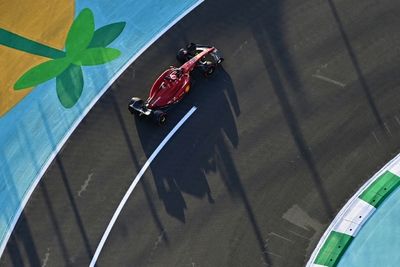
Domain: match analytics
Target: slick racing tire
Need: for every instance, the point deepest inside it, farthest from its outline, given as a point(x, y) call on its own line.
point(208, 69)
point(182, 56)
point(160, 117)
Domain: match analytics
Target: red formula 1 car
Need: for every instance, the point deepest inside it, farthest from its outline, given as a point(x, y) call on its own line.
point(174, 83)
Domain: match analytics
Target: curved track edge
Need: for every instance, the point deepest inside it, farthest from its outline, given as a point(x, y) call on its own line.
point(353, 216)
point(52, 156)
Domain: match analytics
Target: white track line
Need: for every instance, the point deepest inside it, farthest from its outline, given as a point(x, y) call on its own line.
point(329, 80)
point(134, 183)
point(77, 122)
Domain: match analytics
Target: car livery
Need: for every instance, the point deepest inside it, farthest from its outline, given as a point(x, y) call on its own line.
point(175, 82)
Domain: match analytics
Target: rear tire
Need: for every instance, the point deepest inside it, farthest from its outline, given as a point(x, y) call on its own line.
point(208, 69)
point(160, 117)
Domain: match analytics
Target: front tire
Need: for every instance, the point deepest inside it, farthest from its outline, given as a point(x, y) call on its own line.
point(160, 117)
point(182, 56)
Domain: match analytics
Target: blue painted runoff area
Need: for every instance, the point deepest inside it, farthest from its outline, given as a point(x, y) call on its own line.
point(378, 242)
point(30, 132)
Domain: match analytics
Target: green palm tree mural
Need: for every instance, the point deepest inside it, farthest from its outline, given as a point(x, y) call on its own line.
point(84, 46)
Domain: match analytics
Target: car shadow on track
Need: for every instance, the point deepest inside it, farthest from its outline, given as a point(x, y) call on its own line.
point(203, 146)
point(182, 166)
point(145, 186)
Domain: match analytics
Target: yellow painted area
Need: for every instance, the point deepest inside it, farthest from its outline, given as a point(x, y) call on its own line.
point(44, 21)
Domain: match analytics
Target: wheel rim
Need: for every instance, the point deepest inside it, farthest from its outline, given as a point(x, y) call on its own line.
point(162, 119)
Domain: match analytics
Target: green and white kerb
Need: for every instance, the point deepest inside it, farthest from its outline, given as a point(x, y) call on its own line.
point(354, 214)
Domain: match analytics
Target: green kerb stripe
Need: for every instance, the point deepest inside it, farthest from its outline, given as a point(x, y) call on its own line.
point(380, 189)
point(333, 249)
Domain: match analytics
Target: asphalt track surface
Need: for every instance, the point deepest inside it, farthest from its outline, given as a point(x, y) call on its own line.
point(304, 111)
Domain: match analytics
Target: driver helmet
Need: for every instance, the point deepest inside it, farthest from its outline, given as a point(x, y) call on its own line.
point(173, 76)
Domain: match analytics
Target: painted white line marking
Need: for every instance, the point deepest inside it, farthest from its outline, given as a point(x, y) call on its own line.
point(85, 185)
point(326, 79)
point(274, 254)
point(134, 183)
point(46, 258)
point(299, 235)
point(397, 119)
point(78, 121)
point(156, 245)
point(376, 138)
point(234, 54)
point(387, 129)
point(282, 237)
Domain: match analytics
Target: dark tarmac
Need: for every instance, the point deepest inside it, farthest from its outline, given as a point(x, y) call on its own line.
point(304, 111)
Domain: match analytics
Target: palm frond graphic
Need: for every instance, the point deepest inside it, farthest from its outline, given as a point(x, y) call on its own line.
point(84, 46)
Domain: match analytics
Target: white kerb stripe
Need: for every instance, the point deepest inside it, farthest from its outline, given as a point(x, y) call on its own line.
point(339, 216)
point(359, 211)
point(355, 217)
point(134, 183)
point(395, 169)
